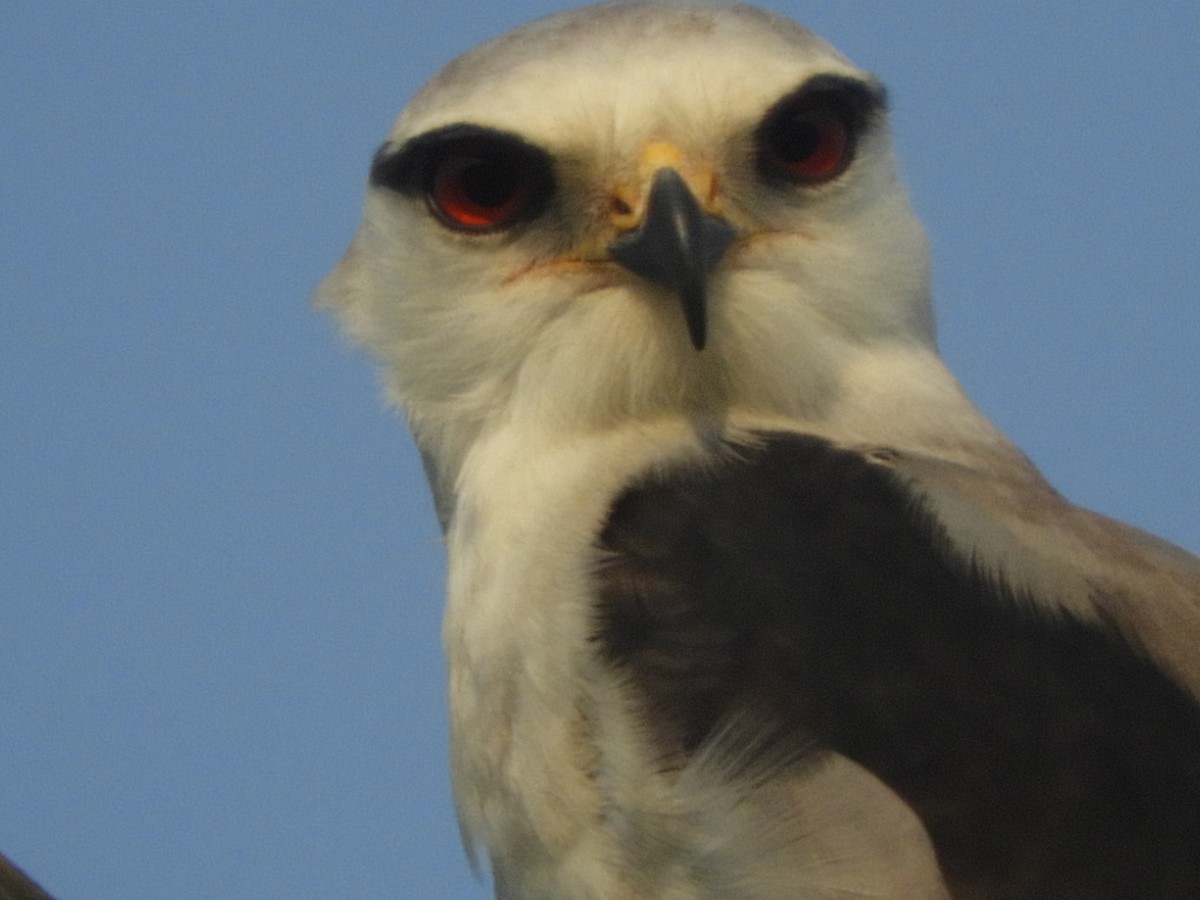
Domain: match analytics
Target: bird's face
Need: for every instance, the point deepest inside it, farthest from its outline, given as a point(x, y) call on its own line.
point(630, 211)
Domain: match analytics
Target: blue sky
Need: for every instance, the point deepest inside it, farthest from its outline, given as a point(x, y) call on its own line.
point(220, 574)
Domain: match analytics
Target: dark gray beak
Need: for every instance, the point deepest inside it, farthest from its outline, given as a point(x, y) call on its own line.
point(676, 246)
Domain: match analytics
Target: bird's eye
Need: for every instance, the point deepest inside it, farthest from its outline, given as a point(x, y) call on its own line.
point(808, 145)
point(809, 138)
point(482, 184)
point(474, 179)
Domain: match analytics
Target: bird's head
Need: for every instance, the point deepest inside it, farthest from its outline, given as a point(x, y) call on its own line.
point(627, 211)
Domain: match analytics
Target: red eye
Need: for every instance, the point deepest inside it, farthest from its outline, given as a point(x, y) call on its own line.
point(486, 184)
point(807, 145)
point(810, 137)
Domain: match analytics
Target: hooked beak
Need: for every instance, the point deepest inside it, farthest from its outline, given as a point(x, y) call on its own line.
point(676, 245)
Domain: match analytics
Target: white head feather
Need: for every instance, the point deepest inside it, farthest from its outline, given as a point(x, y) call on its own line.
point(537, 325)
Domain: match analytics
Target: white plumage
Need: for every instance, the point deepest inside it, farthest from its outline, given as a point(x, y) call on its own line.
point(542, 378)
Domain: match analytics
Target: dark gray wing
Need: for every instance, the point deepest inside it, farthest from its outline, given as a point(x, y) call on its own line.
point(810, 599)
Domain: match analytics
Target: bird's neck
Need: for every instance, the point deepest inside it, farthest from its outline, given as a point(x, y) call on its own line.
point(525, 693)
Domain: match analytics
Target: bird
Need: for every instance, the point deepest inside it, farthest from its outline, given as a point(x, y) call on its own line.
point(745, 597)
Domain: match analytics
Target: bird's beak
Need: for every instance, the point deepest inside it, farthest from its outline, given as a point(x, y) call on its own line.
point(668, 238)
